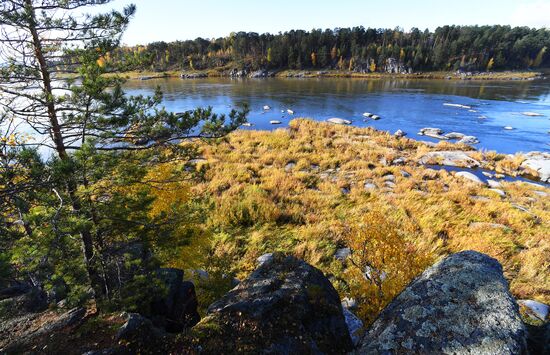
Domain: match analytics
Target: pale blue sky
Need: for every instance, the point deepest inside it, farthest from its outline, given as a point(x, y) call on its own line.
point(170, 20)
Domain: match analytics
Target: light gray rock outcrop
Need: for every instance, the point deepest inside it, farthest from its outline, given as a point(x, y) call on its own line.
point(449, 158)
point(461, 305)
point(539, 162)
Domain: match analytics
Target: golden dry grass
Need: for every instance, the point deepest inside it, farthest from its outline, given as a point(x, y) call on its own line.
point(302, 191)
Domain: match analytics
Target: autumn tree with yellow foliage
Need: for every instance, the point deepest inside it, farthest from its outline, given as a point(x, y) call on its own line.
point(383, 260)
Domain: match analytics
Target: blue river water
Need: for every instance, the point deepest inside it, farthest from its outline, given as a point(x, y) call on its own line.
point(486, 106)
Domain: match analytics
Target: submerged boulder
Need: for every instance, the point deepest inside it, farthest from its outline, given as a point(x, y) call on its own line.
point(461, 305)
point(285, 306)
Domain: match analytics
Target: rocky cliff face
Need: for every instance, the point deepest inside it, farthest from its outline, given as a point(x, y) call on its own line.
point(460, 305)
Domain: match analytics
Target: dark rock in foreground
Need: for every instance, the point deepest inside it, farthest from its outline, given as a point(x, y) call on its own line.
point(286, 306)
point(175, 310)
point(460, 305)
point(139, 334)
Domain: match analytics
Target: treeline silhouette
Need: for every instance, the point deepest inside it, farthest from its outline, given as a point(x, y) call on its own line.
point(471, 48)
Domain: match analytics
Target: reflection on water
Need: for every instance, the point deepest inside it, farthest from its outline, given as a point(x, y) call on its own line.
point(403, 104)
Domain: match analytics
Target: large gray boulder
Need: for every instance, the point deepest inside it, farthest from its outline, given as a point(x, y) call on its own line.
point(286, 306)
point(461, 305)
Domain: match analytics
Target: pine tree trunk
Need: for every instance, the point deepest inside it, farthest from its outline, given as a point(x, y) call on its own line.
point(96, 281)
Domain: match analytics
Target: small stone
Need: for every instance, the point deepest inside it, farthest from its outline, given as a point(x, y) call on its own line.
point(399, 133)
point(349, 303)
point(290, 166)
point(370, 186)
point(535, 309)
point(480, 198)
point(498, 192)
point(469, 176)
point(494, 184)
point(390, 184)
point(342, 254)
point(399, 161)
point(264, 258)
point(520, 208)
point(532, 114)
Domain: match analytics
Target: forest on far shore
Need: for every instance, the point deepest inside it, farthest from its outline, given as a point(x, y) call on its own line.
point(358, 49)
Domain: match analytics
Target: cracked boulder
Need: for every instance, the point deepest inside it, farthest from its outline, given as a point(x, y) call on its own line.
point(461, 305)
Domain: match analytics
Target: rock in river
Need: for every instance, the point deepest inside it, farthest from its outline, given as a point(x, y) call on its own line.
point(468, 140)
point(455, 135)
point(432, 132)
point(532, 114)
point(461, 305)
point(338, 121)
point(457, 105)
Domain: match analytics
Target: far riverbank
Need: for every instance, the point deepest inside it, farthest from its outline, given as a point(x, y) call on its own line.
point(226, 72)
